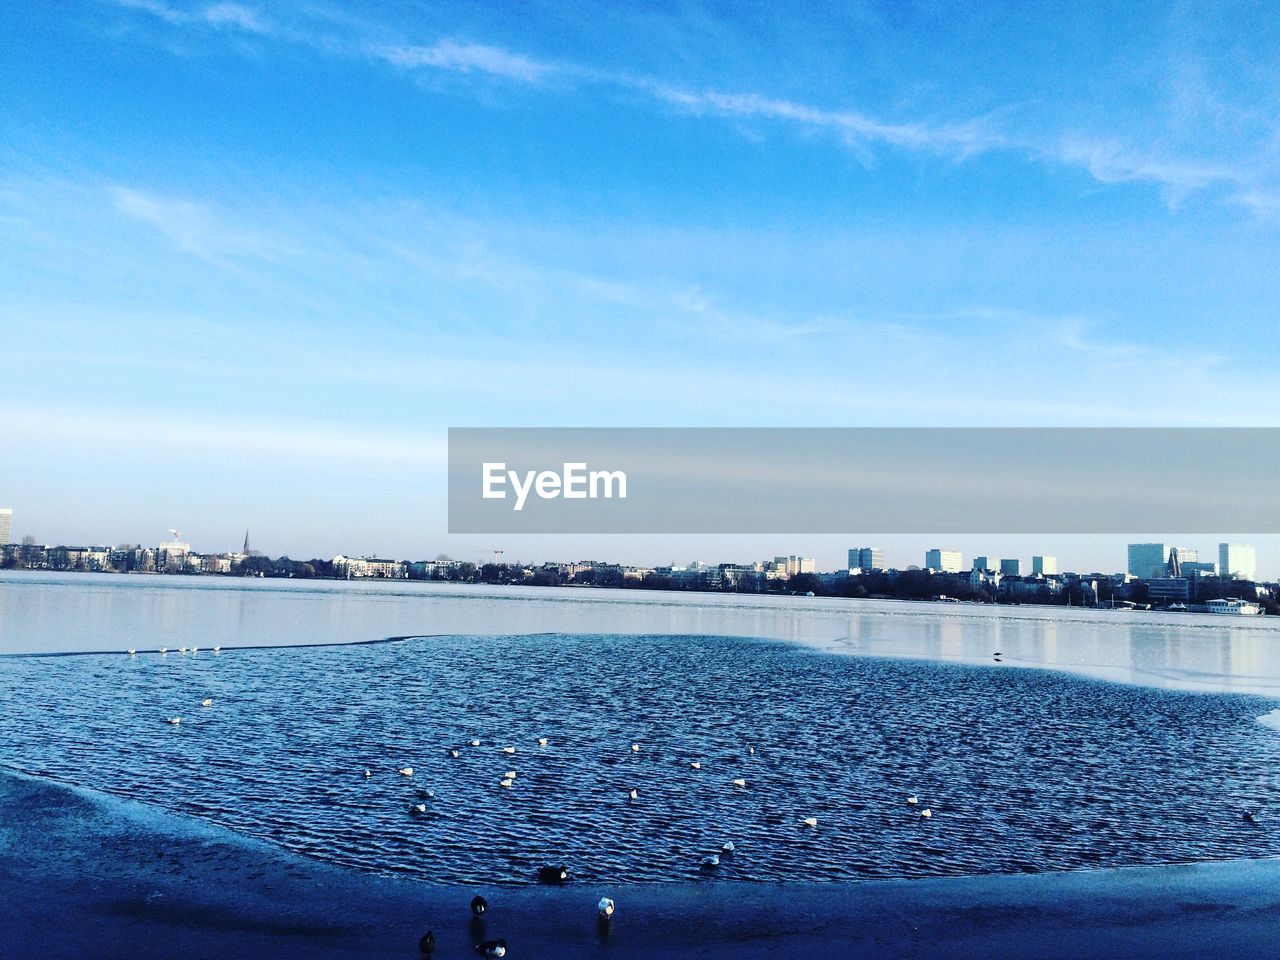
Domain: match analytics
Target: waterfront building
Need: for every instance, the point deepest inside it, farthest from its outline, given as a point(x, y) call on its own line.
point(1239, 561)
point(1147, 560)
point(1011, 568)
point(1166, 590)
point(948, 561)
point(1044, 566)
point(6, 522)
point(866, 559)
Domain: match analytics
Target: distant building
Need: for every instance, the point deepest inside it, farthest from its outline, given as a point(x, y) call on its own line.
point(1195, 568)
point(354, 568)
point(1147, 560)
point(789, 566)
point(948, 561)
point(866, 559)
point(6, 521)
point(1011, 568)
point(1239, 561)
point(171, 556)
point(982, 563)
point(1044, 566)
point(1169, 589)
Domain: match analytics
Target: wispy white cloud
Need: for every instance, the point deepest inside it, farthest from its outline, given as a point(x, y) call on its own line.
point(1112, 162)
point(467, 58)
point(223, 14)
point(1109, 160)
point(195, 228)
point(235, 15)
point(966, 138)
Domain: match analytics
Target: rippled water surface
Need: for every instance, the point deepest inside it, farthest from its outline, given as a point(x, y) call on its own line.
point(1024, 770)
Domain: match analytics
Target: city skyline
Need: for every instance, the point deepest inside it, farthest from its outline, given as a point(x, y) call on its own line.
point(269, 309)
point(870, 556)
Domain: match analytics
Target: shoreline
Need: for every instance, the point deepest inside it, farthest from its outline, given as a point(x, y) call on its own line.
point(89, 873)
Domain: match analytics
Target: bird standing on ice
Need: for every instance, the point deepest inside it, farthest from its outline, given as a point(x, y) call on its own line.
point(478, 906)
point(605, 908)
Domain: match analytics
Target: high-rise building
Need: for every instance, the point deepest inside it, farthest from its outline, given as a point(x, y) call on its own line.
point(792, 565)
point(866, 558)
point(982, 563)
point(1044, 566)
point(948, 561)
point(6, 521)
point(1147, 560)
point(1011, 568)
point(1239, 561)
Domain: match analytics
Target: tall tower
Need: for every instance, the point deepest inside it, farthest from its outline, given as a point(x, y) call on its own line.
point(245, 551)
point(6, 521)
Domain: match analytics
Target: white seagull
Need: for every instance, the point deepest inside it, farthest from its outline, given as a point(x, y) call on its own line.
point(635, 748)
point(542, 741)
point(728, 847)
point(174, 720)
point(207, 702)
point(132, 652)
point(926, 813)
point(508, 749)
point(475, 743)
point(739, 782)
point(407, 771)
point(711, 860)
point(605, 906)
point(913, 799)
point(506, 782)
point(696, 765)
point(810, 821)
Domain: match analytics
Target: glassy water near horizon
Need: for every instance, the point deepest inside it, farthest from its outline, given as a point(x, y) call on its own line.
point(64, 613)
point(1024, 769)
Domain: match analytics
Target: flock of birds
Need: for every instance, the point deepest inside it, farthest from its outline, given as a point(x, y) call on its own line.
point(547, 874)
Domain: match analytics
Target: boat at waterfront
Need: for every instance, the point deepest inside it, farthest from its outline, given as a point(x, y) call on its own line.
point(1233, 607)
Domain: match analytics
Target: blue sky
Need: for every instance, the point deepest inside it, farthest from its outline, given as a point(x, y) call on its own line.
point(255, 258)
